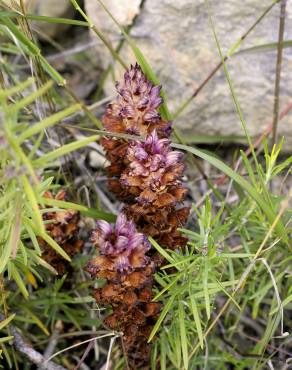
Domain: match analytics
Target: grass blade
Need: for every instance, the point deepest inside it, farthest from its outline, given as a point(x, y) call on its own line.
point(55, 246)
point(65, 149)
point(268, 211)
point(47, 122)
point(16, 89)
point(6, 321)
point(206, 292)
point(161, 250)
point(197, 319)
point(43, 18)
point(183, 335)
point(30, 98)
point(164, 312)
point(5, 339)
point(91, 212)
point(33, 204)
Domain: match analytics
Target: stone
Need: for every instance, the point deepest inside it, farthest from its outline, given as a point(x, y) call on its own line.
point(124, 11)
point(49, 8)
point(176, 38)
point(53, 8)
point(97, 160)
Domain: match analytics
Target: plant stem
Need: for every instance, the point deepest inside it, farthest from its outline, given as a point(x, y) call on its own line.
point(106, 42)
point(278, 70)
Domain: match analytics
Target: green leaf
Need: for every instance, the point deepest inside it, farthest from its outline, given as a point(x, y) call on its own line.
point(37, 321)
point(5, 339)
point(228, 295)
point(5, 253)
point(55, 75)
point(43, 18)
point(90, 212)
point(55, 246)
point(19, 280)
point(5, 93)
point(183, 335)
point(265, 47)
point(30, 98)
point(196, 316)
point(268, 211)
point(33, 204)
point(164, 312)
point(205, 287)
point(32, 49)
point(21, 36)
point(47, 122)
point(6, 321)
point(161, 250)
point(65, 149)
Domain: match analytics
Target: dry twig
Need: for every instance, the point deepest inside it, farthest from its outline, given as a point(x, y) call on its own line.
point(28, 351)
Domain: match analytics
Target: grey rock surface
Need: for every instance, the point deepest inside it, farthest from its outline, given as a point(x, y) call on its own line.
point(53, 8)
point(49, 8)
point(176, 38)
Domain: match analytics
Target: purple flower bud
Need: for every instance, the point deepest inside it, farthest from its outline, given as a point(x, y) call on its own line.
point(153, 165)
point(121, 243)
point(105, 227)
point(151, 115)
point(141, 154)
point(137, 104)
point(173, 157)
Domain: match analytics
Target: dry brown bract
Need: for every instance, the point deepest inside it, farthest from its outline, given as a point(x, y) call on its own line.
point(63, 228)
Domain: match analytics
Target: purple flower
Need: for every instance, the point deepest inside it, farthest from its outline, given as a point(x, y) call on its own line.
point(121, 244)
point(152, 157)
point(154, 172)
point(137, 102)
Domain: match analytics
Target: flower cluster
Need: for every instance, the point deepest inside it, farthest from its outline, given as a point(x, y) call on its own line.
point(147, 177)
point(122, 261)
point(135, 111)
point(153, 178)
point(121, 248)
point(63, 227)
point(154, 172)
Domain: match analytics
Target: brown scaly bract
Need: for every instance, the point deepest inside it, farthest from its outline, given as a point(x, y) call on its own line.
point(147, 177)
point(63, 228)
point(122, 261)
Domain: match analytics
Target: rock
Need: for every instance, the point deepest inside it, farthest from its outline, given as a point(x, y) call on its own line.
point(124, 11)
point(49, 8)
point(97, 160)
point(53, 8)
point(176, 38)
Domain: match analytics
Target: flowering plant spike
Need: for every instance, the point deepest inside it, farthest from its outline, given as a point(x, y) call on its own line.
point(147, 177)
point(135, 111)
point(129, 273)
point(63, 227)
